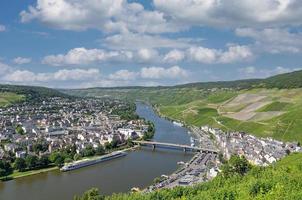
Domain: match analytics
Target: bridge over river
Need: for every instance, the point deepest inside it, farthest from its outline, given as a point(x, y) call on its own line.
point(185, 148)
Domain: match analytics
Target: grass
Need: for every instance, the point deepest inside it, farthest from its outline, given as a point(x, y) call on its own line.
point(17, 174)
point(275, 106)
point(8, 98)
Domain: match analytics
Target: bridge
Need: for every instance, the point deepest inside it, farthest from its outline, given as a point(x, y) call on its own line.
point(185, 148)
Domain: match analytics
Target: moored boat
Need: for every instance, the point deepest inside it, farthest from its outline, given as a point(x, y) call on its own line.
point(88, 162)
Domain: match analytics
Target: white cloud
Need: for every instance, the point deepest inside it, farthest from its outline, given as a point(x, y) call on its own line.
point(21, 60)
point(273, 40)
point(226, 13)
point(80, 56)
point(4, 68)
point(139, 41)
point(174, 72)
point(202, 54)
point(147, 55)
point(234, 53)
point(174, 56)
point(253, 72)
point(124, 75)
point(2, 28)
point(25, 76)
point(108, 15)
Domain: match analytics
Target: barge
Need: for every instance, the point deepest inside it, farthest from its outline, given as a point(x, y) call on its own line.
point(88, 162)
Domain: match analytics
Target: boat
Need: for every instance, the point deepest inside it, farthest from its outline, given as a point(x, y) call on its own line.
point(88, 162)
point(177, 123)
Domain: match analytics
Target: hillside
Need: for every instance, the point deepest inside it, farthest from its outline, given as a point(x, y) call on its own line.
point(8, 98)
point(30, 93)
point(281, 181)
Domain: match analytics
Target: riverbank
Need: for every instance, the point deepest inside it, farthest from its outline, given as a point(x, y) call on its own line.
point(17, 174)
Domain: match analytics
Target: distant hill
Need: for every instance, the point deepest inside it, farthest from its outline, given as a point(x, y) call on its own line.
point(31, 92)
point(281, 81)
point(284, 81)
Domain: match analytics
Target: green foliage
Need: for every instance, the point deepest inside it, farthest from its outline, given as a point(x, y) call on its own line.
point(88, 151)
point(150, 132)
point(92, 194)
point(31, 161)
point(19, 130)
point(5, 168)
point(236, 166)
point(20, 164)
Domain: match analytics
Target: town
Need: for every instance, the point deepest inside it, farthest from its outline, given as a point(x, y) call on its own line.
point(60, 130)
point(205, 166)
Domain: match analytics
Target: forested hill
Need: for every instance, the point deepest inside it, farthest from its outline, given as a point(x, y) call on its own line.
point(31, 92)
point(282, 81)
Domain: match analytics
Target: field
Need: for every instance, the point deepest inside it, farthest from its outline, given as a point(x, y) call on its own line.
point(8, 98)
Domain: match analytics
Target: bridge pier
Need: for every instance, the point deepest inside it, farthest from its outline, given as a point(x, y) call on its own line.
point(185, 149)
point(153, 146)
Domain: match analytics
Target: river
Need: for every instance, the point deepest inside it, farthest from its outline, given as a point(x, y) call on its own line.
point(137, 169)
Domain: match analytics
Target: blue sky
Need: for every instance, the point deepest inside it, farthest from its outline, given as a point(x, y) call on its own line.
point(78, 44)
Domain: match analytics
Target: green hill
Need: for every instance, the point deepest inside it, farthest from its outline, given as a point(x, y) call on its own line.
point(31, 92)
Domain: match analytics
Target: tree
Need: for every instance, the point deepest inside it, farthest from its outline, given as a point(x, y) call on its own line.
point(20, 130)
point(20, 164)
point(77, 157)
point(31, 161)
point(92, 194)
point(5, 168)
point(236, 165)
point(88, 151)
point(44, 161)
point(100, 150)
point(59, 161)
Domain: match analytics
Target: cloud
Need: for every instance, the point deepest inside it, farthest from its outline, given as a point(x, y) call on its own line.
point(124, 75)
point(25, 76)
point(253, 72)
point(127, 41)
point(228, 13)
point(2, 28)
point(234, 53)
point(107, 15)
point(174, 56)
point(174, 72)
point(21, 60)
point(145, 73)
point(273, 40)
point(147, 55)
point(83, 56)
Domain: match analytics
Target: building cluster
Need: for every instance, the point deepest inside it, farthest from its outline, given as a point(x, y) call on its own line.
point(259, 151)
point(59, 122)
point(202, 167)
point(199, 169)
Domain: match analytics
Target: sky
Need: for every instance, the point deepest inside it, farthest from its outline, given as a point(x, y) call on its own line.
point(106, 43)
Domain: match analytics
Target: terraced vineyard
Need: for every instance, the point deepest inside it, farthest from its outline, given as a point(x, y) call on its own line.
point(263, 112)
